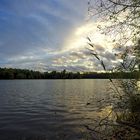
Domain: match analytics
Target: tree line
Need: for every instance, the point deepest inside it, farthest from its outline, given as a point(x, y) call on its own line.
point(12, 73)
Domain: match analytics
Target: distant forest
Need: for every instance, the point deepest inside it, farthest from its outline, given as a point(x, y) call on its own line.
point(10, 73)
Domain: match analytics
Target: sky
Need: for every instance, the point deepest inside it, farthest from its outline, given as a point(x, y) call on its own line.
point(48, 35)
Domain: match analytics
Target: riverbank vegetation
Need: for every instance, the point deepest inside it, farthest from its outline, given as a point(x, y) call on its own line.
point(11, 73)
point(123, 27)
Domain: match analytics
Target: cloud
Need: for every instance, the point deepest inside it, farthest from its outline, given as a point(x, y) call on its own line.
point(49, 35)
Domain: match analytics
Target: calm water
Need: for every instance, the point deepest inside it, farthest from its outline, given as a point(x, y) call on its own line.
point(48, 109)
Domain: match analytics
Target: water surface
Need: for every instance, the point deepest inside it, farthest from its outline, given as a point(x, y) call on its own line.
point(48, 109)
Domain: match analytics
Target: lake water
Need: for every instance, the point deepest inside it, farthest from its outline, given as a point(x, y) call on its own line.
point(49, 109)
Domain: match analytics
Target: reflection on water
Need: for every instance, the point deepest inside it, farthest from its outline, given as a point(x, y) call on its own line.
point(54, 109)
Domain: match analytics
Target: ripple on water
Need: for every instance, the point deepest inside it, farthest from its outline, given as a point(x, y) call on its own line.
point(51, 109)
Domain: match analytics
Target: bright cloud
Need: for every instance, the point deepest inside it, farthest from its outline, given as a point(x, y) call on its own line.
point(49, 35)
